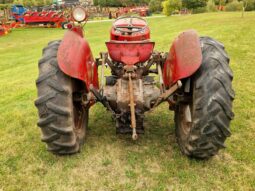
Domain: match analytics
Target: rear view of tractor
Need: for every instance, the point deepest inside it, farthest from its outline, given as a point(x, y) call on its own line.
point(194, 78)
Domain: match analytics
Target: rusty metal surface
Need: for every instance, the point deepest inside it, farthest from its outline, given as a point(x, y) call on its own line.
point(76, 60)
point(184, 58)
point(167, 93)
point(132, 106)
point(145, 93)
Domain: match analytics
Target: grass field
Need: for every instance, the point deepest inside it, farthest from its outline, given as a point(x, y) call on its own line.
point(111, 162)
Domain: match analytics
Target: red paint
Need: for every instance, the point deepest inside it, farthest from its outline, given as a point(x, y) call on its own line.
point(142, 11)
point(184, 58)
point(126, 36)
point(130, 53)
point(115, 35)
point(130, 42)
point(4, 29)
point(31, 17)
point(69, 26)
point(78, 30)
point(76, 60)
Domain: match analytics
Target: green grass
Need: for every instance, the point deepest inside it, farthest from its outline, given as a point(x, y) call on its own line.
point(112, 162)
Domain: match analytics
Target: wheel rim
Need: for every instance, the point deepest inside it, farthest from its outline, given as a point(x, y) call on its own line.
point(185, 121)
point(80, 121)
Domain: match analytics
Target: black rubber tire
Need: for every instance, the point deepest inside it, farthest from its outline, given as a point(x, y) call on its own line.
point(64, 25)
point(59, 114)
point(210, 106)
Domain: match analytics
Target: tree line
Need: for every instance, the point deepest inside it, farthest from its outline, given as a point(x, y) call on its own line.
point(168, 7)
point(27, 2)
point(198, 6)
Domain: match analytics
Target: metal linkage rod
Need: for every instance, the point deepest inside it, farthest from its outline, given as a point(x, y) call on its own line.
point(168, 93)
point(132, 107)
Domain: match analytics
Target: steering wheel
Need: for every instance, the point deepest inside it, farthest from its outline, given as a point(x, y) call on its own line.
point(130, 25)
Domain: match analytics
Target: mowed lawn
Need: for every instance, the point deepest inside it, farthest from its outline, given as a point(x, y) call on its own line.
point(112, 162)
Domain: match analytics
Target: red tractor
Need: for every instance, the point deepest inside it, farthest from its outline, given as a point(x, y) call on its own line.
point(194, 78)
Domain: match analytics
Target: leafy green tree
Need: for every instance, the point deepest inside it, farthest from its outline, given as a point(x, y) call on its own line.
point(234, 6)
point(6, 1)
point(102, 3)
point(118, 3)
point(27, 3)
point(33, 2)
point(18, 2)
point(155, 6)
point(169, 6)
point(220, 2)
point(194, 4)
point(211, 7)
point(249, 5)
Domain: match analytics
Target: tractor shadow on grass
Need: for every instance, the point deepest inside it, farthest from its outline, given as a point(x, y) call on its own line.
point(159, 136)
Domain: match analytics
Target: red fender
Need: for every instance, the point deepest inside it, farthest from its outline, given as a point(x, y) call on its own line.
point(184, 58)
point(76, 60)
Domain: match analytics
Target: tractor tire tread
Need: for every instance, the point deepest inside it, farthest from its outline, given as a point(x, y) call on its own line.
point(47, 120)
point(62, 131)
point(45, 76)
point(67, 144)
point(58, 109)
point(50, 138)
point(54, 103)
point(44, 98)
point(54, 84)
point(212, 104)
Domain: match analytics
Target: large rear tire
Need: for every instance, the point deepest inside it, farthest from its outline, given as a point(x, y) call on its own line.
point(62, 118)
point(202, 124)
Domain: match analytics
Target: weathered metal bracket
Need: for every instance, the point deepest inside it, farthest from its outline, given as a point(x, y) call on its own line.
point(167, 93)
point(100, 98)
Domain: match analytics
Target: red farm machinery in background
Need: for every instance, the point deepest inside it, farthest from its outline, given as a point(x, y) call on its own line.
point(193, 78)
point(5, 26)
point(142, 11)
point(115, 12)
point(4, 29)
point(18, 16)
point(44, 18)
point(23, 17)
